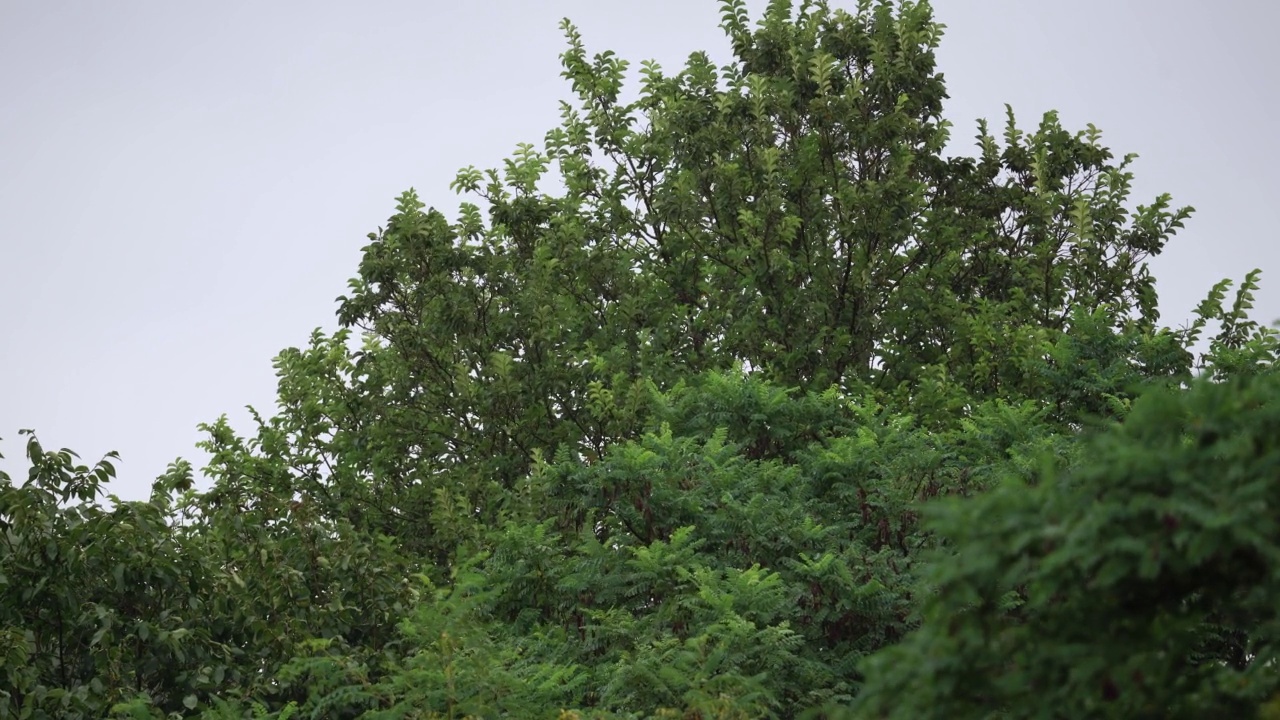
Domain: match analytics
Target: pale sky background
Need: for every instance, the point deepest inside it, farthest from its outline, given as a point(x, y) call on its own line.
point(185, 187)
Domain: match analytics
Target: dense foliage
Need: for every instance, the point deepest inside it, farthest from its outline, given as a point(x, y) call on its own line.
point(739, 398)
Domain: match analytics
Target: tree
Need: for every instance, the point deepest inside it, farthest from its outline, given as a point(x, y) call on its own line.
point(162, 605)
point(1135, 584)
point(647, 430)
point(787, 223)
point(791, 213)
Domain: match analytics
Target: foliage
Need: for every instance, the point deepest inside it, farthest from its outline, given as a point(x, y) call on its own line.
point(1137, 584)
point(791, 213)
point(173, 600)
point(649, 428)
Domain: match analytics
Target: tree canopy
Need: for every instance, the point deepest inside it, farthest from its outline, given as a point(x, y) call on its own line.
point(743, 395)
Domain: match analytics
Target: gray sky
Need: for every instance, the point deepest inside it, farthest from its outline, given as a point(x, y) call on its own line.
point(185, 187)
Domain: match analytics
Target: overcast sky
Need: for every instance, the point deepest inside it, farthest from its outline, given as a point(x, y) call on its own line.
point(185, 186)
